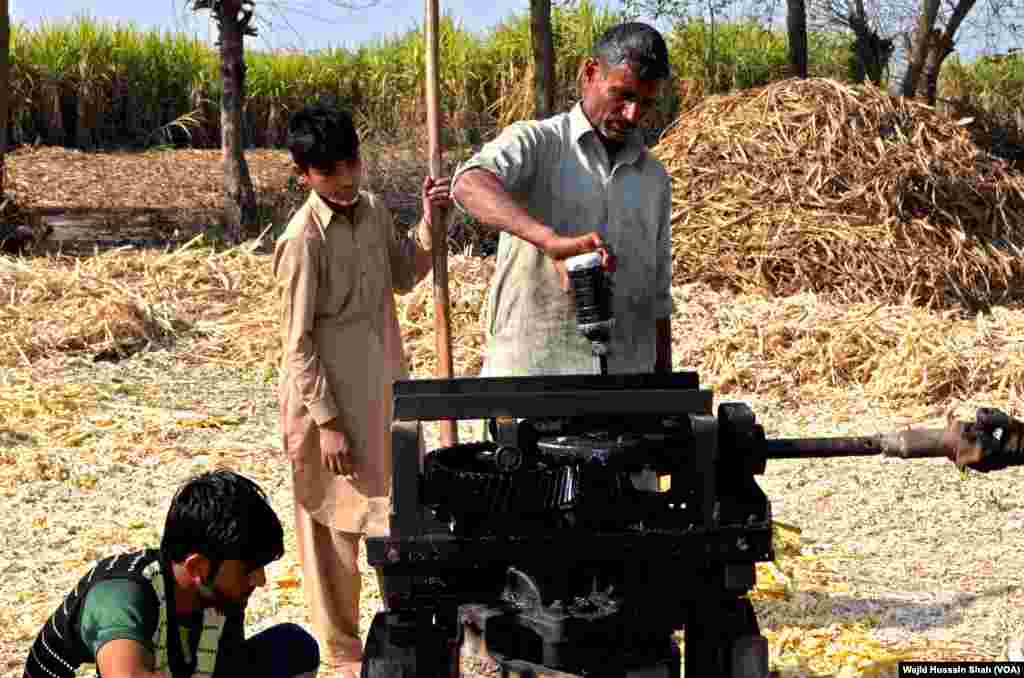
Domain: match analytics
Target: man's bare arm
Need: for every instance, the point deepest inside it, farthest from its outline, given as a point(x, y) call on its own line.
point(483, 195)
point(126, 659)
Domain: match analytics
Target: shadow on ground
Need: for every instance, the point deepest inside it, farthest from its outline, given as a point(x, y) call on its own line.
point(906, 613)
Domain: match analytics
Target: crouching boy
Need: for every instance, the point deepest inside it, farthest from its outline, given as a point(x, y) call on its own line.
point(179, 610)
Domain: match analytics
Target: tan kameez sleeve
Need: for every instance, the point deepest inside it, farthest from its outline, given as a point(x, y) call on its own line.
point(297, 263)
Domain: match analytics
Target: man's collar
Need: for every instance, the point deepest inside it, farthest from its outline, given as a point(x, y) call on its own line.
point(579, 126)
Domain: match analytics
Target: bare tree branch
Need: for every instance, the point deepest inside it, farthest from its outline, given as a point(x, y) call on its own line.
point(235, 20)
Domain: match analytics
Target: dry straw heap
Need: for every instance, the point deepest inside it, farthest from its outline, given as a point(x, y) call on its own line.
point(222, 305)
point(822, 186)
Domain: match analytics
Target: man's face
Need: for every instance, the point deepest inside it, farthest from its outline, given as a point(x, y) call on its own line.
point(234, 583)
point(338, 184)
point(615, 100)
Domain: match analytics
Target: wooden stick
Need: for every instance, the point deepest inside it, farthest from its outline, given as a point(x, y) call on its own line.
point(442, 311)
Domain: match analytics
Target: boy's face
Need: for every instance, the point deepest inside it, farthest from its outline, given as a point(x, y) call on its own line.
point(339, 184)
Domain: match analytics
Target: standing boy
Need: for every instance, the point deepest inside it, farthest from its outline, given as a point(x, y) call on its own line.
point(337, 267)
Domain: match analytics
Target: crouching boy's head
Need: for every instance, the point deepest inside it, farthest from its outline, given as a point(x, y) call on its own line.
point(325, 149)
point(220, 534)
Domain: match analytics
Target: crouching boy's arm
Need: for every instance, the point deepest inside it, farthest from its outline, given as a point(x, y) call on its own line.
point(411, 258)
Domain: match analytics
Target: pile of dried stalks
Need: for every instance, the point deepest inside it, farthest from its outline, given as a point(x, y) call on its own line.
point(116, 303)
point(802, 346)
point(223, 304)
point(818, 185)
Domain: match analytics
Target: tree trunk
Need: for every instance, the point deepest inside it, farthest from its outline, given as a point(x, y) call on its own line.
point(711, 63)
point(919, 47)
point(239, 196)
point(543, 58)
point(942, 47)
point(872, 52)
point(796, 30)
point(84, 125)
point(5, 74)
point(872, 55)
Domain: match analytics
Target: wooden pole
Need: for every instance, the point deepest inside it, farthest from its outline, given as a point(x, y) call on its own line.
point(442, 314)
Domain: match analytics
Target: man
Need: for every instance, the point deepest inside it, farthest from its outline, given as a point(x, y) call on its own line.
point(179, 611)
point(338, 265)
point(579, 182)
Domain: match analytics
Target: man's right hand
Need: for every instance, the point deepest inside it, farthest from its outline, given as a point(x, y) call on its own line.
point(560, 248)
point(335, 452)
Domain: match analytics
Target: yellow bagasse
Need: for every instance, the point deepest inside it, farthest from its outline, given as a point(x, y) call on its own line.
point(223, 305)
point(822, 186)
point(223, 301)
point(810, 349)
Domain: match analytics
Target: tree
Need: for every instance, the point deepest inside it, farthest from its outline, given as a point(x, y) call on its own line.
point(940, 46)
point(918, 49)
point(872, 49)
point(926, 30)
point(543, 58)
point(796, 30)
point(234, 19)
point(15, 238)
point(234, 22)
point(5, 72)
point(872, 52)
point(938, 26)
point(674, 10)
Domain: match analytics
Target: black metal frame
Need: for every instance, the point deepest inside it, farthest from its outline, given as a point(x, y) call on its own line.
point(558, 396)
point(693, 576)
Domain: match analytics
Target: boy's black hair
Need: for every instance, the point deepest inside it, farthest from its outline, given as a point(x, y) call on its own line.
point(223, 516)
point(319, 136)
point(637, 44)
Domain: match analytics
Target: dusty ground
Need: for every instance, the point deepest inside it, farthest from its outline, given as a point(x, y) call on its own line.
point(895, 558)
point(108, 199)
point(894, 555)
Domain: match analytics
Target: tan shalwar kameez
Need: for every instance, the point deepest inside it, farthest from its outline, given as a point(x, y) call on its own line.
point(342, 352)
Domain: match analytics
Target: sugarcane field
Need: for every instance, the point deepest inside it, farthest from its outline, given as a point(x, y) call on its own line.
point(845, 261)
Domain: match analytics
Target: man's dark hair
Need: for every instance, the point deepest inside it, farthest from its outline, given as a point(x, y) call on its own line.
point(223, 516)
point(320, 136)
point(636, 44)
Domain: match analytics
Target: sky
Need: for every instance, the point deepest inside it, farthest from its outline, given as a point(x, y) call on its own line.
point(311, 24)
